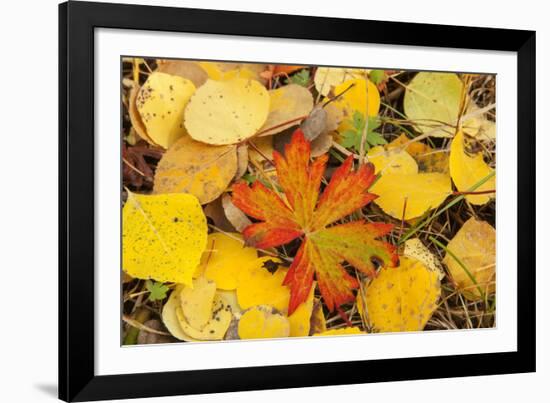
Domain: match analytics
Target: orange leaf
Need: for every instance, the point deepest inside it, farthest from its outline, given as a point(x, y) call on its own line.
point(302, 213)
point(286, 68)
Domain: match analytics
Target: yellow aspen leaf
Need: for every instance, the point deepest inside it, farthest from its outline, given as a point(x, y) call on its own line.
point(177, 323)
point(261, 283)
point(328, 78)
point(135, 117)
point(340, 331)
point(190, 166)
point(227, 112)
point(468, 170)
point(161, 102)
point(476, 124)
point(215, 328)
point(286, 103)
point(392, 161)
point(170, 318)
point(402, 299)
point(423, 191)
point(196, 302)
point(474, 246)
point(427, 159)
point(355, 99)
point(229, 299)
point(192, 71)
point(163, 236)
point(223, 71)
point(432, 102)
point(414, 248)
point(262, 322)
point(224, 259)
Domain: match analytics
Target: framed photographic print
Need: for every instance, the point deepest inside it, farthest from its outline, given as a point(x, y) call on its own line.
point(258, 201)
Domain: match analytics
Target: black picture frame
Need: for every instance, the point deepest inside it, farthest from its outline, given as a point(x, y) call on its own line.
point(77, 379)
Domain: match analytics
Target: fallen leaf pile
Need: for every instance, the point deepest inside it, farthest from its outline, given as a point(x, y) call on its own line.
point(274, 201)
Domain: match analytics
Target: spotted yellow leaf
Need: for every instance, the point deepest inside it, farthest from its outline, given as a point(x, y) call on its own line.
point(221, 308)
point(190, 166)
point(215, 328)
point(474, 247)
point(163, 236)
point(422, 192)
point(227, 112)
point(401, 299)
point(467, 171)
point(161, 102)
point(414, 248)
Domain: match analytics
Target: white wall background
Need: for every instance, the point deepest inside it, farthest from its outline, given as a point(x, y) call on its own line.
point(28, 198)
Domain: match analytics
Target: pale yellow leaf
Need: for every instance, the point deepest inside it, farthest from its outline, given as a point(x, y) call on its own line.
point(432, 102)
point(170, 318)
point(215, 328)
point(286, 103)
point(474, 246)
point(227, 112)
point(196, 302)
point(328, 78)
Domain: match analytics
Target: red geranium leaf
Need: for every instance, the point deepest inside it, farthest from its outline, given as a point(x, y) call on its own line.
point(301, 212)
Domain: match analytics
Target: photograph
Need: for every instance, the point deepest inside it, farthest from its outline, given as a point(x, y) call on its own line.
point(271, 201)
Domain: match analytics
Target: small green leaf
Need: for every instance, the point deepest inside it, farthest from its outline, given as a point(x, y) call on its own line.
point(375, 139)
point(157, 290)
point(377, 76)
point(300, 78)
point(351, 138)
